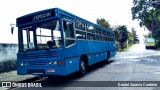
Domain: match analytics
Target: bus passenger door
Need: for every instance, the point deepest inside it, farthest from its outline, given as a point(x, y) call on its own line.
point(70, 47)
point(69, 38)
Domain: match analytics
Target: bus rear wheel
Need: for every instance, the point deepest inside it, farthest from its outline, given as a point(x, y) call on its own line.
point(108, 57)
point(82, 67)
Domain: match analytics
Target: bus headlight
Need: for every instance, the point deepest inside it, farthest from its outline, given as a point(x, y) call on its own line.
point(22, 64)
point(52, 62)
point(55, 62)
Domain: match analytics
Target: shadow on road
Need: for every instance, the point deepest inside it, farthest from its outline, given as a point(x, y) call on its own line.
point(71, 80)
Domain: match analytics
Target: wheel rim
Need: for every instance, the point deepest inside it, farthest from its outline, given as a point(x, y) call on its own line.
point(108, 57)
point(82, 67)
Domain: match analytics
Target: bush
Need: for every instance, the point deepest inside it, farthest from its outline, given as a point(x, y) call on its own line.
point(8, 65)
point(118, 47)
point(158, 43)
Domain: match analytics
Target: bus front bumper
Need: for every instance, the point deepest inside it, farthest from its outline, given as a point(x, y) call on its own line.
point(69, 66)
point(40, 71)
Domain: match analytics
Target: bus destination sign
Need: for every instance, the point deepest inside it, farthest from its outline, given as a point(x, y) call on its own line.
point(41, 16)
point(35, 17)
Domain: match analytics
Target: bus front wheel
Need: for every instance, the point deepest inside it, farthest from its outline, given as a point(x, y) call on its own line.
point(82, 67)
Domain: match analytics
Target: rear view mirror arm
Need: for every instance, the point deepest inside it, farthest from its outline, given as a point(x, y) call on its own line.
point(12, 28)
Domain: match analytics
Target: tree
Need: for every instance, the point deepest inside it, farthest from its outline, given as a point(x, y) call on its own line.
point(130, 38)
point(103, 22)
point(152, 22)
point(134, 35)
point(117, 34)
point(121, 35)
point(149, 35)
point(147, 12)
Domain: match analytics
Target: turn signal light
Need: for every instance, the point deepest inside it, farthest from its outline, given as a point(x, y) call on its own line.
point(60, 62)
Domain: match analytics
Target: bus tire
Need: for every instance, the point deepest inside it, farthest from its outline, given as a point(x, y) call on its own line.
point(108, 57)
point(82, 67)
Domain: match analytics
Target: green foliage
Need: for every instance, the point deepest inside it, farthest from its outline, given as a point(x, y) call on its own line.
point(103, 22)
point(149, 35)
point(126, 48)
point(130, 38)
point(134, 35)
point(121, 35)
point(139, 10)
point(156, 33)
point(152, 21)
point(146, 13)
point(117, 34)
point(158, 43)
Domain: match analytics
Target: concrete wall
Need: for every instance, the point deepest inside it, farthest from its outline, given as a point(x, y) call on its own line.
point(8, 55)
point(8, 51)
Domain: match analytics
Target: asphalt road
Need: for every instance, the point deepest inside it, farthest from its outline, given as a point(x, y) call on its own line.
point(135, 64)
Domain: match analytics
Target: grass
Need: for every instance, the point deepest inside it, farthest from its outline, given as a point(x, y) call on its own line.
point(128, 46)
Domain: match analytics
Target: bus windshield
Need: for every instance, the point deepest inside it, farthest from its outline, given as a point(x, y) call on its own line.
point(43, 35)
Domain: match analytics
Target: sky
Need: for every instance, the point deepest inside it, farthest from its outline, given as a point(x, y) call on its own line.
point(116, 12)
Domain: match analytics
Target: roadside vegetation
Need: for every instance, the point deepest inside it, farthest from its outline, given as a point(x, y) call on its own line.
point(123, 38)
point(126, 48)
point(8, 65)
point(147, 12)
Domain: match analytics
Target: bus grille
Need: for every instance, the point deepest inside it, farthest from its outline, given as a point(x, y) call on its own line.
point(37, 63)
point(39, 55)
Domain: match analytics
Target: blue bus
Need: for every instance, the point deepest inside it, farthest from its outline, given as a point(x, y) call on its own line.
point(56, 42)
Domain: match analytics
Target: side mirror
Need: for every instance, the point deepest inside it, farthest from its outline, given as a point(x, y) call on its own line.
point(12, 28)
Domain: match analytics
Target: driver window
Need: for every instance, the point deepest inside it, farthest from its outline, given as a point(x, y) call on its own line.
point(28, 39)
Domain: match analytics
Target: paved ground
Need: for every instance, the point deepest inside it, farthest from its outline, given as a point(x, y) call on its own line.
point(135, 64)
point(12, 76)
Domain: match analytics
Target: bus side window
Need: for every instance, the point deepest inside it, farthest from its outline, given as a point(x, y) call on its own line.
point(69, 32)
point(68, 29)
